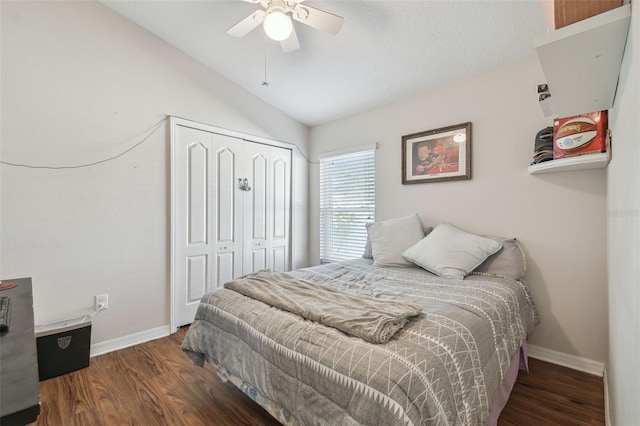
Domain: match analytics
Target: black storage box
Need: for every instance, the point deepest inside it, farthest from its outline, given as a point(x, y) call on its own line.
point(63, 347)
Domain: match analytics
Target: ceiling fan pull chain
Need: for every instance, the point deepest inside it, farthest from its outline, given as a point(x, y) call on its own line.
point(265, 83)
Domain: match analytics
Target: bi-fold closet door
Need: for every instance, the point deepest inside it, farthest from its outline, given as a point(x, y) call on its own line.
point(231, 206)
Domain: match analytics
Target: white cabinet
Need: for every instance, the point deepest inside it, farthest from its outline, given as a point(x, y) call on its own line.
point(581, 62)
point(231, 207)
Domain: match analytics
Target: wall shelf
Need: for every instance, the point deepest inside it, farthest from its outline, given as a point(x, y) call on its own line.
point(581, 162)
point(581, 62)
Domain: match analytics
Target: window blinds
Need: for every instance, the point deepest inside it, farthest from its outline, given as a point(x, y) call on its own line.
point(347, 202)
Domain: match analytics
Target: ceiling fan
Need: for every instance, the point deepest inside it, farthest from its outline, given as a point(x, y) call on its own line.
point(277, 22)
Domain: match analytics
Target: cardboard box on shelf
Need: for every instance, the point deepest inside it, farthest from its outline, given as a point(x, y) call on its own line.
point(560, 13)
point(580, 134)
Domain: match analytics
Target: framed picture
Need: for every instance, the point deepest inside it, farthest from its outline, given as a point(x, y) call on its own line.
point(437, 155)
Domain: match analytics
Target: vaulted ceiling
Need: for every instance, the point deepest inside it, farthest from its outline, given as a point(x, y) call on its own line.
point(385, 51)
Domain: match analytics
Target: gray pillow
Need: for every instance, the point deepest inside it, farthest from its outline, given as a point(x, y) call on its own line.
point(389, 239)
point(450, 252)
point(508, 262)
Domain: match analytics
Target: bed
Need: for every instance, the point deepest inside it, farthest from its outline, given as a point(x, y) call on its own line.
point(452, 364)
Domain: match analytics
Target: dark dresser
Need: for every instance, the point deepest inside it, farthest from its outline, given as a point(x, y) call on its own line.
point(19, 391)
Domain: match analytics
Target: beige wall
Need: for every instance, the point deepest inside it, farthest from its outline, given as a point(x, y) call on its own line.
point(80, 83)
point(623, 213)
point(559, 218)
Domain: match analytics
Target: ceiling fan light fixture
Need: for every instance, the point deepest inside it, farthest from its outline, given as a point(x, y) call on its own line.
point(277, 21)
point(277, 25)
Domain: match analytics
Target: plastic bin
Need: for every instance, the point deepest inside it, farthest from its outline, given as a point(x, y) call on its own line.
point(63, 347)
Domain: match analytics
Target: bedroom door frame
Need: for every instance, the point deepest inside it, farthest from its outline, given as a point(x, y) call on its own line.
point(174, 122)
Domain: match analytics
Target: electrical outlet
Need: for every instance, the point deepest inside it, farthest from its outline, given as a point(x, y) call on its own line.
point(102, 299)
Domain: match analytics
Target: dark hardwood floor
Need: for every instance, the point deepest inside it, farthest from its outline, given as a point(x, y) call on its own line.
point(554, 395)
point(155, 384)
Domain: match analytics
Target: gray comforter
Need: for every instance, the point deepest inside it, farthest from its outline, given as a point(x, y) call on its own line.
point(442, 368)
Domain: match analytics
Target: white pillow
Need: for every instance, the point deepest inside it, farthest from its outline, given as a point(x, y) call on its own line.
point(390, 238)
point(450, 252)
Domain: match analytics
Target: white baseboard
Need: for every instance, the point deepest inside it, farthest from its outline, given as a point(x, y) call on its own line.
point(129, 340)
point(570, 361)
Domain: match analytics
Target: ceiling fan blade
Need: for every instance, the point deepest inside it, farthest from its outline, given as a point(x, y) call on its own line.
point(318, 19)
point(291, 43)
point(249, 23)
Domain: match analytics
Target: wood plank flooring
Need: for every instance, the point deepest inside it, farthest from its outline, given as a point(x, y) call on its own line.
point(155, 384)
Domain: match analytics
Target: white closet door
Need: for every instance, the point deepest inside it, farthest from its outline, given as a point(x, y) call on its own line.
point(226, 220)
point(193, 206)
point(256, 208)
point(267, 208)
point(207, 220)
point(280, 209)
point(221, 231)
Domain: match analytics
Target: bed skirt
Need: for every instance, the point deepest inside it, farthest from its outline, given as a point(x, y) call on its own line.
point(518, 362)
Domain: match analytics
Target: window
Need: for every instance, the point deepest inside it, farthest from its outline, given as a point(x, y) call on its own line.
point(347, 202)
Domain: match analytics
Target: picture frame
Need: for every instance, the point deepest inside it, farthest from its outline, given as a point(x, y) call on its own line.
point(437, 155)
